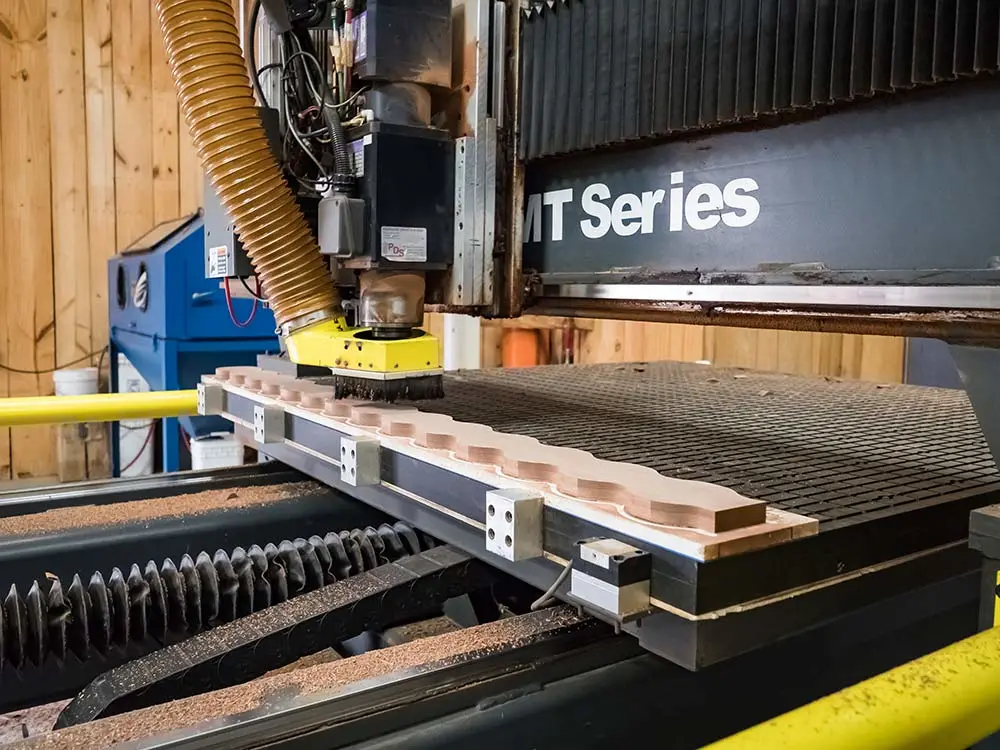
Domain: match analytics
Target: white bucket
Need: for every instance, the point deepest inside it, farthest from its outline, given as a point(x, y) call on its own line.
point(135, 444)
point(216, 451)
point(80, 382)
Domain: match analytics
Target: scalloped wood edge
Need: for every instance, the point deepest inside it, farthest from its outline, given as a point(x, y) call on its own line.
point(642, 495)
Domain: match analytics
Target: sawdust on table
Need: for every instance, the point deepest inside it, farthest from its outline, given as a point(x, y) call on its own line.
point(188, 712)
point(138, 511)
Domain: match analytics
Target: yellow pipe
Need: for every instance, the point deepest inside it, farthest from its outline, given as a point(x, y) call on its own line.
point(947, 699)
point(98, 407)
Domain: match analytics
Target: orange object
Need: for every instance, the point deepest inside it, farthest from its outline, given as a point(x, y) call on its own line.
point(520, 347)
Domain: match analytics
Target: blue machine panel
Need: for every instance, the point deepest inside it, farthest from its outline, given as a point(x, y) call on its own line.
point(173, 324)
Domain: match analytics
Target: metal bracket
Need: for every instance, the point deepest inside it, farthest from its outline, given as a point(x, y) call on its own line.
point(360, 461)
point(612, 577)
point(514, 524)
point(471, 281)
point(211, 399)
point(268, 424)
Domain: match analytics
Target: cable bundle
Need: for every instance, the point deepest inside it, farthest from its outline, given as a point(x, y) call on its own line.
point(200, 593)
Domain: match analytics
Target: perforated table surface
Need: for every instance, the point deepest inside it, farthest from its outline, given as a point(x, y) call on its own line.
point(840, 451)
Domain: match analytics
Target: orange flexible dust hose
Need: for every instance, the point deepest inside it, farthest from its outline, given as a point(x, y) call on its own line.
point(203, 49)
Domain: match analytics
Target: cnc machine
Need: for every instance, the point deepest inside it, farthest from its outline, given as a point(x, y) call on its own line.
point(827, 165)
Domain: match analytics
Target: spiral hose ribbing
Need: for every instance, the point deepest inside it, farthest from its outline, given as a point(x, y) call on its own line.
point(203, 50)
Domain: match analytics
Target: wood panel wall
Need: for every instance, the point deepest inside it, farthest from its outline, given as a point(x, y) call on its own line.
point(849, 356)
point(93, 154)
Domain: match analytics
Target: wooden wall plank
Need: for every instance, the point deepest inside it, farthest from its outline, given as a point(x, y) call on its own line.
point(795, 352)
point(68, 154)
point(692, 342)
point(133, 118)
point(5, 458)
point(166, 144)
point(732, 347)
point(882, 358)
point(633, 342)
point(27, 219)
point(828, 349)
point(434, 325)
point(192, 178)
point(99, 94)
point(70, 233)
point(605, 343)
point(491, 346)
point(850, 356)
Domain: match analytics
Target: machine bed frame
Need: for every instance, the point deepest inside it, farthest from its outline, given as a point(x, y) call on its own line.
point(891, 527)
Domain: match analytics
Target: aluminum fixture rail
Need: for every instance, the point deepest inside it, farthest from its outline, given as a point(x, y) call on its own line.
point(98, 407)
point(853, 296)
point(946, 700)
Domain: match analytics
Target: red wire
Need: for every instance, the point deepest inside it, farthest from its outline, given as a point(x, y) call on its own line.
point(229, 305)
point(184, 438)
point(138, 455)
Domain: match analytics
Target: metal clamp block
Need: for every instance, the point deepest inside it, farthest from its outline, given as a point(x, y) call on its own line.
point(211, 398)
point(268, 424)
point(360, 461)
point(612, 577)
point(514, 523)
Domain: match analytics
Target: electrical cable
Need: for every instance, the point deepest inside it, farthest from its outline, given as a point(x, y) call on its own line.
point(232, 312)
point(550, 592)
point(142, 449)
point(255, 295)
point(100, 364)
point(302, 144)
point(267, 68)
point(342, 158)
point(308, 78)
point(353, 96)
point(250, 43)
point(46, 371)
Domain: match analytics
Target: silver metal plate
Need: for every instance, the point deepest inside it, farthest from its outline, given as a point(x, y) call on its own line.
point(799, 296)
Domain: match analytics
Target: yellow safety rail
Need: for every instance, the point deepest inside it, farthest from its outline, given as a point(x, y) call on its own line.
point(99, 407)
point(949, 699)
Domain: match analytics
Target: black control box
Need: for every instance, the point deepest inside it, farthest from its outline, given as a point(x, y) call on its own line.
point(403, 41)
point(406, 176)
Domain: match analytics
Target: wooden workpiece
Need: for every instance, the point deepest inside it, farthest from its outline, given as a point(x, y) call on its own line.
point(718, 519)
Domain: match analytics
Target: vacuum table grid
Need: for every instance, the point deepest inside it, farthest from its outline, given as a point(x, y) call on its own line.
point(841, 452)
